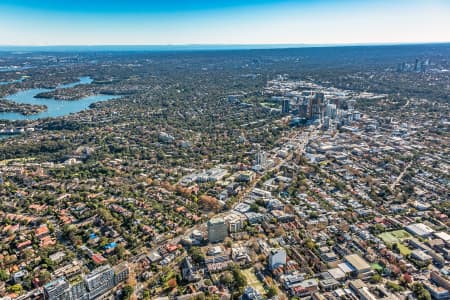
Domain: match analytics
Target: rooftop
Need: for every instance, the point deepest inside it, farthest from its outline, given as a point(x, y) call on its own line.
point(357, 262)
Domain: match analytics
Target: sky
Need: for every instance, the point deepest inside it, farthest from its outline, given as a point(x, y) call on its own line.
point(179, 22)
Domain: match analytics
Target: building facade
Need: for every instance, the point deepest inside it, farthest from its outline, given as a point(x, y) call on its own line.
point(217, 230)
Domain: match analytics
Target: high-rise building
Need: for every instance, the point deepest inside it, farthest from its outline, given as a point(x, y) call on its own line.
point(316, 109)
point(217, 230)
point(423, 66)
point(285, 106)
point(401, 67)
point(58, 289)
point(331, 111)
point(326, 123)
point(303, 109)
point(99, 281)
point(79, 291)
point(261, 158)
point(261, 161)
point(417, 65)
point(121, 273)
point(351, 104)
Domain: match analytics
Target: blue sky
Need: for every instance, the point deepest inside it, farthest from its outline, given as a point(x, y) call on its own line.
point(132, 22)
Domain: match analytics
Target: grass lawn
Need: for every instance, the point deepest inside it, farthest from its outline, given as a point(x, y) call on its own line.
point(377, 267)
point(403, 249)
point(253, 281)
point(394, 237)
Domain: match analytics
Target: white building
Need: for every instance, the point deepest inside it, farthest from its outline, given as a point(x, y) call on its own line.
point(419, 229)
point(277, 257)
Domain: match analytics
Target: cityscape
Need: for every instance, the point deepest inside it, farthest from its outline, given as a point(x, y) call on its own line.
point(244, 172)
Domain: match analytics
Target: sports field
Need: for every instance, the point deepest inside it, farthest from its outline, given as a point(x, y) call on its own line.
point(394, 237)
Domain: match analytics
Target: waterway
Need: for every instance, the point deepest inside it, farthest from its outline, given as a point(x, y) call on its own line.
point(55, 108)
point(12, 81)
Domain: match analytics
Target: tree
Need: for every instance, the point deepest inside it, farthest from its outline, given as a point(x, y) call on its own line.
point(127, 291)
point(310, 244)
point(376, 278)
point(28, 253)
point(196, 254)
point(146, 294)
point(394, 286)
point(272, 292)
point(17, 288)
point(254, 207)
point(228, 242)
point(209, 202)
point(226, 279)
point(421, 292)
point(239, 278)
point(4, 276)
point(120, 251)
point(44, 276)
point(172, 283)
point(208, 282)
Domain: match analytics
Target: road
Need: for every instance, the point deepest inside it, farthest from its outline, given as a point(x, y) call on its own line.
point(301, 137)
point(400, 176)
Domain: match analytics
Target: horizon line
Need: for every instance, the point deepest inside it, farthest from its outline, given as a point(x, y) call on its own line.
point(229, 46)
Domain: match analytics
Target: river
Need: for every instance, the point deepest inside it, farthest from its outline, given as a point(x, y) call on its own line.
point(55, 108)
point(13, 81)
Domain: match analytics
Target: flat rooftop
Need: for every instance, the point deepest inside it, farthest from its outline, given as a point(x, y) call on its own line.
point(357, 262)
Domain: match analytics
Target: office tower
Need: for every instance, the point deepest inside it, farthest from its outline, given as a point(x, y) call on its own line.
point(417, 65)
point(217, 230)
point(326, 123)
point(303, 109)
point(285, 106)
point(331, 111)
point(317, 105)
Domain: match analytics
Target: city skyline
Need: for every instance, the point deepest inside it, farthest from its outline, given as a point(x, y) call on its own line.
point(100, 22)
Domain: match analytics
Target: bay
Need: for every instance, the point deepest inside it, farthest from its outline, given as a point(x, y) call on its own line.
point(55, 108)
